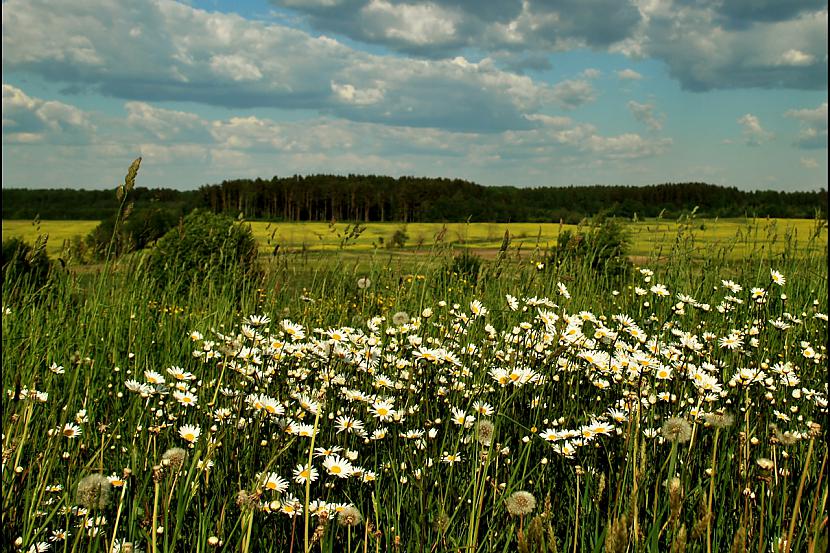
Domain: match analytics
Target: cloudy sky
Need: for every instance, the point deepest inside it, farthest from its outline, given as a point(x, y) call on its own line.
point(501, 92)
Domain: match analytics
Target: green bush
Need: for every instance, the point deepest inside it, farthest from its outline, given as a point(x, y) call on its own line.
point(204, 248)
point(140, 229)
point(22, 262)
point(603, 247)
point(465, 265)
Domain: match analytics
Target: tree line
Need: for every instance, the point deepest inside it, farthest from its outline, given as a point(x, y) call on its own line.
point(369, 198)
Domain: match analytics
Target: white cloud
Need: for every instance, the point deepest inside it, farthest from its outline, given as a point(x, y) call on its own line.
point(361, 97)
point(628, 75)
point(27, 119)
point(235, 66)
point(809, 162)
point(754, 134)
point(813, 123)
point(573, 93)
point(703, 53)
point(644, 113)
point(410, 24)
point(796, 58)
point(165, 124)
point(185, 54)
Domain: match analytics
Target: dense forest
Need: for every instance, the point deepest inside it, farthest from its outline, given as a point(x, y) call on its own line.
point(410, 199)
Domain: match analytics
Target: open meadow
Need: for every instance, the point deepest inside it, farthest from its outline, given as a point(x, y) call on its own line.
point(733, 238)
point(357, 398)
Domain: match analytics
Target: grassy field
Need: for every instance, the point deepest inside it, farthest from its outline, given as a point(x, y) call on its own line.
point(734, 238)
point(375, 401)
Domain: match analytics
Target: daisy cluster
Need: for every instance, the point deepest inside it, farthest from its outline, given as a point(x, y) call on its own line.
point(338, 412)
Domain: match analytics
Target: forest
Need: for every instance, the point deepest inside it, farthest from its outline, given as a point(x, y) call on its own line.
point(417, 199)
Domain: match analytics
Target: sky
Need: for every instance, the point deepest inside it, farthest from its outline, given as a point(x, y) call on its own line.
point(499, 92)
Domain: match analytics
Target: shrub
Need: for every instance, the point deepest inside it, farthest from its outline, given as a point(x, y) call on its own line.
point(603, 247)
point(138, 230)
point(398, 239)
point(22, 262)
point(204, 248)
point(466, 265)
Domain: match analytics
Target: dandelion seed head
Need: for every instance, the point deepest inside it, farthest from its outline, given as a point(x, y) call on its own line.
point(349, 516)
point(484, 432)
point(174, 457)
point(520, 503)
point(677, 429)
point(719, 420)
point(94, 491)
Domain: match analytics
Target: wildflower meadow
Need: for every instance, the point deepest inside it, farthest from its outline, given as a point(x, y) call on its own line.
point(380, 403)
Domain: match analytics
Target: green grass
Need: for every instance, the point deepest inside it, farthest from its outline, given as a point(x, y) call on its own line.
point(612, 494)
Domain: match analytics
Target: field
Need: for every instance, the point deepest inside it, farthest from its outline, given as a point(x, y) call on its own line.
point(363, 399)
point(735, 238)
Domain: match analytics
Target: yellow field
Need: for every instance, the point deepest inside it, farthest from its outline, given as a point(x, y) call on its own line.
point(703, 237)
point(58, 232)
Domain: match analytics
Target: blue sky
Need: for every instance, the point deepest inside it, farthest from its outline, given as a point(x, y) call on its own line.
point(501, 92)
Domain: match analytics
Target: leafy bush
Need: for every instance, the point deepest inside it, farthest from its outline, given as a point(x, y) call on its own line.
point(204, 247)
point(466, 265)
point(603, 247)
point(23, 262)
point(398, 239)
point(136, 231)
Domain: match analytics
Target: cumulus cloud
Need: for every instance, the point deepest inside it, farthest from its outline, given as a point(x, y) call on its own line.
point(628, 75)
point(571, 94)
point(706, 45)
point(809, 162)
point(186, 149)
point(188, 54)
point(813, 123)
point(444, 28)
point(166, 124)
point(644, 113)
point(754, 134)
point(27, 119)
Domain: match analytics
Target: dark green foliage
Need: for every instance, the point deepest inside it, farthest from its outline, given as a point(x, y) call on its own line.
point(204, 248)
point(142, 227)
point(409, 199)
point(23, 263)
point(603, 247)
point(465, 265)
point(68, 204)
point(398, 239)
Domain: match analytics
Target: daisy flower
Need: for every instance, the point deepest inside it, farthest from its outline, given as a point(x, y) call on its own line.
point(185, 398)
point(451, 458)
point(303, 473)
point(349, 424)
point(153, 377)
point(190, 432)
point(382, 410)
point(777, 277)
point(71, 430)
point(275, 482)
point(337, 466)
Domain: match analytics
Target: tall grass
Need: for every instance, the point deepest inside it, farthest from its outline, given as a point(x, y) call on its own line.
point(749, 476)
